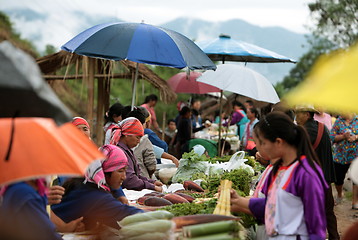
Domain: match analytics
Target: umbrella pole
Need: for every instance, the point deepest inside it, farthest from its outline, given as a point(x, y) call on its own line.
point(220, 122)
point(134, 88)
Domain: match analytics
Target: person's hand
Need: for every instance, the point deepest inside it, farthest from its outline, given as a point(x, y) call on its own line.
point(76, 225)
point(352, 138)
point(175, 161)
point(158, 189)
point(234, 195)
point(236, 202)
point(158, 183)
point(123, 200)
point(54, 196)
point(346, 135)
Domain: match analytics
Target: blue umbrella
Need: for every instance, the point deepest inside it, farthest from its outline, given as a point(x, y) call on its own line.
point(224, 48)
point(140, 43)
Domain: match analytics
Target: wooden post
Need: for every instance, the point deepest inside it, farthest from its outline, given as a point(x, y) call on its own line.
point(100, 105)
point(220, 123)
point(90, 91)
point(163, 124)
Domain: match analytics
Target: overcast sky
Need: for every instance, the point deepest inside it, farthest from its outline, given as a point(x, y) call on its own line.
point(290, 14)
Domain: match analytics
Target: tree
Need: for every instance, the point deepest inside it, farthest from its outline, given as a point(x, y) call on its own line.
point(8, 33)
point(304, 65)
point(50, 49)
point(336, 20)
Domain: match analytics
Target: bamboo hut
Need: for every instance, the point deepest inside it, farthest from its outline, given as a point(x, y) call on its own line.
point(91, 69)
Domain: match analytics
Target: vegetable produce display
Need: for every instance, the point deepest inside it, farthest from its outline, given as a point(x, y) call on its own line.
point(214, 228)
point(149, 225)
point(200, 218)
point(198, 212)
point(183, 209)
point(223, 206)
point(142, 217)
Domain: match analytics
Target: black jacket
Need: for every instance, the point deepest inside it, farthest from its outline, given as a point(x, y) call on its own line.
point(323, 150)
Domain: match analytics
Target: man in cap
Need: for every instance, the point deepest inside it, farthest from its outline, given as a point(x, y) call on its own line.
point(321, 143)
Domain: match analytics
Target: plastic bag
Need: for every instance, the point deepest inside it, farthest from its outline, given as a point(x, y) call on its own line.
point(238, 161)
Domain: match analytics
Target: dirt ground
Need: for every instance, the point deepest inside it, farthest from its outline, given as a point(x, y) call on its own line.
point(346, 216)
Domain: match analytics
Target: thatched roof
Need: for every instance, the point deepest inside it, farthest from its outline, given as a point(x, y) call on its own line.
point(5, 36)
point(51, 63)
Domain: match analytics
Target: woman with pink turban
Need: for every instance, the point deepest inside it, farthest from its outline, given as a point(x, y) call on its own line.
point(92, 198)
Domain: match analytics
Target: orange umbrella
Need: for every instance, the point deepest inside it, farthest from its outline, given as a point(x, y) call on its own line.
point(39, 147)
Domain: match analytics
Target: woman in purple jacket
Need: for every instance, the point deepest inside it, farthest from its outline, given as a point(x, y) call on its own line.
point(127, 135)
point(294, 190)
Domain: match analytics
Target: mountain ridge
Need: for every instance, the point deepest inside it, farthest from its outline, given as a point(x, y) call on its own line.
point(277, 39)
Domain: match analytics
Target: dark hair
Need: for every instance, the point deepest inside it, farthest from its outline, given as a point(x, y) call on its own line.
point(170, 120)
point(311, 115)
point(255, 112)
point(239, 104)
point(278, 125)
point(250, 102)
point(125, 111)
point(144, 111)
point(115, 109)
point(194, 100)
point(137, 114)
point(151, 97)
point(184, 111)
point(225, 144)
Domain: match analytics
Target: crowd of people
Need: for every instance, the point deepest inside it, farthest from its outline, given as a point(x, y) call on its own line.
point(304, 151)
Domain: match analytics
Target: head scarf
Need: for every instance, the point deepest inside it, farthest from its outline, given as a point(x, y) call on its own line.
point(129, 126)
point(115, 159)
point(80, 121)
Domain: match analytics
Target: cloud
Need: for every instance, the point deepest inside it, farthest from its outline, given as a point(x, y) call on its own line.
point(57, 21)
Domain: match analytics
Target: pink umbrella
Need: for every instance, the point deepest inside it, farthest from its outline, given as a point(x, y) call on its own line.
point(181, 84)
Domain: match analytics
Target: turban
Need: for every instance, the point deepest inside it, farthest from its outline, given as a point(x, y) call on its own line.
point(80, 121)
point(129, 126)
point(115, 159)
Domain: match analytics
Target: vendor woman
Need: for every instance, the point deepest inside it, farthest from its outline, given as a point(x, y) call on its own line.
point(126, 136)
point(91, 198)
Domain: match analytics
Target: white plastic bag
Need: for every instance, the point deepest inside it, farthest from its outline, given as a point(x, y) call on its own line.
point(238, 161)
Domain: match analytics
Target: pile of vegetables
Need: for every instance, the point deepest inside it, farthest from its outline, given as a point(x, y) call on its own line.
point(183, 209)
point(223, 206)
point(214, 230)
point(150, 225)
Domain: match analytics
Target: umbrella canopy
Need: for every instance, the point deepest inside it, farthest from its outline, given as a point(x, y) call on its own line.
point(40, 147)
point(224, 48)
point(181, 83)
point(241, 80)
point(331, 84)
point(141, 43)
point(23, 91)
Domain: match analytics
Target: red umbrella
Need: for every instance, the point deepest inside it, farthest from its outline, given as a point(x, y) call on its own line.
point(180, 83)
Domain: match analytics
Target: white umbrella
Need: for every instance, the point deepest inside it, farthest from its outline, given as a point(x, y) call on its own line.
point(241, 80)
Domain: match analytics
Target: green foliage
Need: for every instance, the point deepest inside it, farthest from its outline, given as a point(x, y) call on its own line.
point(6, 26)
point(5, 22)
point(184, 209)
point(304, 65)
point(50, 49)
point(336, 20)
point(193, 157)
point(241, 180)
